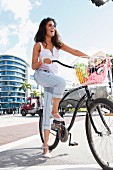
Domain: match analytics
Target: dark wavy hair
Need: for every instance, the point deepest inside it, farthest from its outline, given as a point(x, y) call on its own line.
point(40, 35)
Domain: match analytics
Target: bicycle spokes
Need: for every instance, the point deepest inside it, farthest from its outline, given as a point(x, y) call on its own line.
point(102, 145)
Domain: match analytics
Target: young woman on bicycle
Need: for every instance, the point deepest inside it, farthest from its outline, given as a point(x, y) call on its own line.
point(46, 49)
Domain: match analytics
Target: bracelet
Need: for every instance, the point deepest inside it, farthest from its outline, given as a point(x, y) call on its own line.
point(40, 62)
point(43, 61)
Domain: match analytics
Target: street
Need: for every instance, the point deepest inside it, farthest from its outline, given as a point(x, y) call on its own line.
point(20, 146)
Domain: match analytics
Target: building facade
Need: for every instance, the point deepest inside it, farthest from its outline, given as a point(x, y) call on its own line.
point(13, 73)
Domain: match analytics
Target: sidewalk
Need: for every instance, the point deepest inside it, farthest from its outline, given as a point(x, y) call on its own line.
point(27, 153)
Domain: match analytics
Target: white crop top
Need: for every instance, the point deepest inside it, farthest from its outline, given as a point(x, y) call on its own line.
point(53, 55)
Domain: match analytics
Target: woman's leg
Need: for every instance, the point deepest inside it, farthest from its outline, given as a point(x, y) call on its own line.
point(46, 138)
point(57, 95)
point(47, 131)
point(48, 93)
point(54, 88)
point(55, 106)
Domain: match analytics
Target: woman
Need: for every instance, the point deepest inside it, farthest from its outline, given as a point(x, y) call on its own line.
point(46, 49)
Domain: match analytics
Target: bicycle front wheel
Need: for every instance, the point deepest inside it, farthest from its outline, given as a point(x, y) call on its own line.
point(101, 143)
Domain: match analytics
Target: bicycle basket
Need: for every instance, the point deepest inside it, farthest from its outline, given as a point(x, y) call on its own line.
point(95, 72)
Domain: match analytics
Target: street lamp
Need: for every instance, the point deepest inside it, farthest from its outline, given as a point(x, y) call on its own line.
point(99, 2)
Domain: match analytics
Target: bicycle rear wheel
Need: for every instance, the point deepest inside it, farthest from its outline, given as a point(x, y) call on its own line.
point(68, 110)
point(101, 144)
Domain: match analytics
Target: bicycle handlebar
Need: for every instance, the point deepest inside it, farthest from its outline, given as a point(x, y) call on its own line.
point(73, 67)
point(65, 65)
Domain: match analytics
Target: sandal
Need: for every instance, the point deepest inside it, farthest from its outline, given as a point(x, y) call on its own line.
point(59, 119)
point(46, 155)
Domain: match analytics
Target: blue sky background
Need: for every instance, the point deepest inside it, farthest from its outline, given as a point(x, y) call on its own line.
point(80, 24)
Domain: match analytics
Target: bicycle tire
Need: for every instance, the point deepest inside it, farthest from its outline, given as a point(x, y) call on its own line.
point(104, 159)
point(56, 140)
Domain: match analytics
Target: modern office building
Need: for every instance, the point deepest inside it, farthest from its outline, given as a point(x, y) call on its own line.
point(13, 72)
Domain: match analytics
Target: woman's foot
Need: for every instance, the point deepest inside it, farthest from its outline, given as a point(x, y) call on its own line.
point(46, 152)
point(57, 117)
point(47, 155)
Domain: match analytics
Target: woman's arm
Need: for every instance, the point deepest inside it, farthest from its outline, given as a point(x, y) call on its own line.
point(35, 55)
point(35, 63)
point(73, 51)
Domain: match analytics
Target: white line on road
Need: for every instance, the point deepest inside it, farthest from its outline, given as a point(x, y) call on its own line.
point(59, 167)
point(19, 142)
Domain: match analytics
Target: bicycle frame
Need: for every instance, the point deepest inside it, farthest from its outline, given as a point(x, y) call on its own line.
point(78, 104)
point(88, 97)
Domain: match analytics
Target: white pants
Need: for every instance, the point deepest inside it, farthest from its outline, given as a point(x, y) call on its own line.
point(54, 87)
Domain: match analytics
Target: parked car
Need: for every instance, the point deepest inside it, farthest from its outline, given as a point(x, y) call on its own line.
point(31, 106)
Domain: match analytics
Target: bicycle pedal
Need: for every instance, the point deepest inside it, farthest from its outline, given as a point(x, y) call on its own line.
point(73, 144)
point(55, 126)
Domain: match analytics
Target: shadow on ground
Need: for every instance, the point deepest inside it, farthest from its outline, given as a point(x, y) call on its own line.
point(23, 158)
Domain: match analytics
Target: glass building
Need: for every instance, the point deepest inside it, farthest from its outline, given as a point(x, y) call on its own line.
point(13, 72)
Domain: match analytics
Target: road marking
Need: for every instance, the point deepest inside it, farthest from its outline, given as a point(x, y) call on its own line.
point(59, 167)
point(19, 142)
point(16, 120)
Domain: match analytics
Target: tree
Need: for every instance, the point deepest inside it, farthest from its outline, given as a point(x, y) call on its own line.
point(34, 94)
point(42, 94)
point(25, 86)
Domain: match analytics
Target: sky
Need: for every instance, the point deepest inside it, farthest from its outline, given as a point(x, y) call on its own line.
point(80, 23)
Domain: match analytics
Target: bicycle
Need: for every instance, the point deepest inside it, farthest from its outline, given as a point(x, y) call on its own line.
point(98, 123)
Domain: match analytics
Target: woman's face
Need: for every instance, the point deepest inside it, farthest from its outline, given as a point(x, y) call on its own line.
point(50, 29)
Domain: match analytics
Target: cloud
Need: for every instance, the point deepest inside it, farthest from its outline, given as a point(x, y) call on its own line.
point(18, 50)
point(4, 32)
point(27, 29)
point(37, 3)
point(20, 9)
point(24, 33)
point(24, 30)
